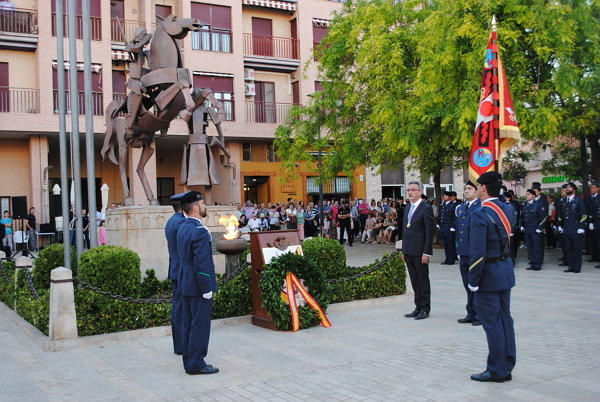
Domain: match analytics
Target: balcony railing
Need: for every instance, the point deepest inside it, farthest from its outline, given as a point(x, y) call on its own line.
point(270, 46)
point(123, 30)
point(214, 40)
point(267, 112)
point(95, 26)
point(19, 21)
point(19, 100)
point(97, 103)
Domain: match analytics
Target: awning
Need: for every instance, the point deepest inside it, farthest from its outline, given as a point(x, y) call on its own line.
point(282, 5)
point(320, 23)
point(96, 68)
point(120, 55)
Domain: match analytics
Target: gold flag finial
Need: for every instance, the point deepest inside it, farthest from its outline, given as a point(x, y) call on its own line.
point(494, 24)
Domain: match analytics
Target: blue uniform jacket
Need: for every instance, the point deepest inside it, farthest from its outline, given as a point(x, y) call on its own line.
point(574, 216)
point(462, 226)
point(487, 243)
point(533, 216)
point(447, 216)
point(593, 210)
point(194, 244)
point(171, 233)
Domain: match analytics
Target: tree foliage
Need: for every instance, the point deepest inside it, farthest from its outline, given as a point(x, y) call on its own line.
point(402, 79)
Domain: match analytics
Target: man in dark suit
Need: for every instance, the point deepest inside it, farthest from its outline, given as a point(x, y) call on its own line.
point(533, 222)
point(198, 282)
point(447, 228)
point(491, 277)
point(593, 212)
point(417, 239)
point(463, 216)
point(542, 201)
point(176, 307)
point(516, 234)
point(573, 228)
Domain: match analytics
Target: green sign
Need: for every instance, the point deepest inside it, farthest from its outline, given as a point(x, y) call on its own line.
point(554, 179)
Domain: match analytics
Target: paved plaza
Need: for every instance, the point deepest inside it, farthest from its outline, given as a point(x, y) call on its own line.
point(371, 353)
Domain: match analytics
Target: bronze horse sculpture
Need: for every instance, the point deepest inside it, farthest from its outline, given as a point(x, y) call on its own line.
point(158, 94)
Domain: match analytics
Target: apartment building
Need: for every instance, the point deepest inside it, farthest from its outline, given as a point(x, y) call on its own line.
point(251, 53)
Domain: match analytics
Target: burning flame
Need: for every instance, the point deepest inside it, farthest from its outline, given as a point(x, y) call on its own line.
point(231, 224)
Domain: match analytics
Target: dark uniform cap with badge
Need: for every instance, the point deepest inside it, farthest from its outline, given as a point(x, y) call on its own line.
point(191, 197)
point(564, 186)
point(536, 185)
point(595, 183)
point(448, 193)
point(178, 197)
point(470, 183)
point(489, 177)
point(572, 185)
point(531, 191)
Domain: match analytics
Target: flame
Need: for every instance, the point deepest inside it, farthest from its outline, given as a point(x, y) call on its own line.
point(231, 224)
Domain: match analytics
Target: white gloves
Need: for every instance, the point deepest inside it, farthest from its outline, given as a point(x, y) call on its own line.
point(591, 226)
point(580, 231)
point(452, 230)
point(473, 288)
point(538, 231)
point(437, 226)
point(207, 295)
point(522, 229)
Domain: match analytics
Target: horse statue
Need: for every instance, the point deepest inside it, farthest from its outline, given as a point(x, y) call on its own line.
point(158, 94)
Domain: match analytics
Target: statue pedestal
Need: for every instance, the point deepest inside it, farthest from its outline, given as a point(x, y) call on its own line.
point(142, 229)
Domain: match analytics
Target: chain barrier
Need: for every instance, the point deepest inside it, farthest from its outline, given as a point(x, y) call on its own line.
point(4, 272)
point(29, 279)
point(365, 272)
point(233, 274)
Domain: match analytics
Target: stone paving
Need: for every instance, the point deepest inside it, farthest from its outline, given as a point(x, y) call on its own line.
point(371, 353)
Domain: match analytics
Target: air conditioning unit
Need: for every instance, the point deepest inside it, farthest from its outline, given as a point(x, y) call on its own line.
point(249, 74)
point(249, 89)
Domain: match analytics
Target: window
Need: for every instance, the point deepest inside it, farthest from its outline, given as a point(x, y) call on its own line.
point(97, 101)
point(339, 185)
point(165, 188)
point(247, 152)
point(215, 34)
point(222, 87)
point(271, 155)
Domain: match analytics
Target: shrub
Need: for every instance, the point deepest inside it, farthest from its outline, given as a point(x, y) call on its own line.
point(35, 311)
point(49, 258)
point(7, 283)
point(235, 297)
point(327, 254)
point(153, 287)
point(111, 268)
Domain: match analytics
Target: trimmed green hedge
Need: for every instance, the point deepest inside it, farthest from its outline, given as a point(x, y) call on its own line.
point(49, 258)
point(327, 254)
point(113, 269)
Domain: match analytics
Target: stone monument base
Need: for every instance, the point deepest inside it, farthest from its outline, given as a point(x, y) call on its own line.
point(142, 229)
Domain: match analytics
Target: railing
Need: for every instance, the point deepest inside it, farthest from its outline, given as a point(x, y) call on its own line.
point(19, 100)
point(215, 40)
point(267, 112)
point(97, 103)
point(271, 46)
point(228, 105)
point(123, 30)
point(95, 26)
point(19, 21)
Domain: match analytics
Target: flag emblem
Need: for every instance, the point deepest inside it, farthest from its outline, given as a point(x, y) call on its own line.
point(482, 157)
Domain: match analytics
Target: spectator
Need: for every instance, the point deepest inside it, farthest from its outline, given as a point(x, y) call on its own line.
point(8, 234)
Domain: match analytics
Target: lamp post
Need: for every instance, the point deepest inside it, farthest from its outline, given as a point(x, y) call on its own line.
point(319, 165)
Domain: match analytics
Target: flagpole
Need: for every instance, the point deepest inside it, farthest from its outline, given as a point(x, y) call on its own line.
point(496, 90)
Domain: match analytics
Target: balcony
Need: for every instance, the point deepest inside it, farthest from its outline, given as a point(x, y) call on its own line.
point(18, 29)
point(121, 31)
point(97, 103)
point(95, 26)
point(271, 53)
point(214, 40)
point(19, 100)
point(267, 112)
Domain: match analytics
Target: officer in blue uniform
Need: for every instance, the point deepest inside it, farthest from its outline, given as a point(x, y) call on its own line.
point(574, 218)
point(533, 220)
point(542, 201)
point(593, 212)
point(491, 277)
point(197, 282)
point(516, 234)
point(171, 233)
point(562, 203)
point(463, 214)
point(447, 228)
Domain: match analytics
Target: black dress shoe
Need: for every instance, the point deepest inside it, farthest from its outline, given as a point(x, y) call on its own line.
point(562, 264)
point(530, 268)
point(537, 269)
point(422, 315)
point(568, 270)
point(486, 376)
point(178, 353)
point(450, 263)
point(476, 323)
point(445, 263)
point(597, 266)
point(576, 271)
point(465, 320)
point(206, 370)
point(413, 314)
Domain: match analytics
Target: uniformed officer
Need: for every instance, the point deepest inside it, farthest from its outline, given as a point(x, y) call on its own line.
point(559, 214)
point(593, 212)
point(491, 277)
point(533, 219)
point(448, 228)
point(542, 200)
point(171, 233)
point(573, 228)
point(197, 282)
point(516, 234)
point(463, 214)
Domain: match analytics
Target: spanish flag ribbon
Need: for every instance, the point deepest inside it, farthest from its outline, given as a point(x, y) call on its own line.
point(293, 284)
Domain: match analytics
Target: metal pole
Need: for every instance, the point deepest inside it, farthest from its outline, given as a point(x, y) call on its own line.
point(319, 166)
point(62, 132)
point(74, 96)
point(89, 125)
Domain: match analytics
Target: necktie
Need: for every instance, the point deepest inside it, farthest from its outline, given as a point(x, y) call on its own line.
point(410, 212)
point(467, 208)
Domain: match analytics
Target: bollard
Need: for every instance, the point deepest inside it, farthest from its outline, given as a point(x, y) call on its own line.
point(63, 321)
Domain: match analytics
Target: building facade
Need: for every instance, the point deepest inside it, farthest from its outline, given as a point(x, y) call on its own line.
point(251, 53)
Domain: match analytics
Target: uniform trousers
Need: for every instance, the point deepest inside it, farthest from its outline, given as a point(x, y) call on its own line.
point(177, 318)
point(419, 279)
point(493, 309)
point(449, 239)
point(534, 244)
point(464, 273)
point(197, 312)
point(573, 250)
point(595, 244)
point(345, 227)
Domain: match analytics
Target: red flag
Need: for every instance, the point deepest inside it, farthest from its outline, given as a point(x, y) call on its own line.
point(496, 129)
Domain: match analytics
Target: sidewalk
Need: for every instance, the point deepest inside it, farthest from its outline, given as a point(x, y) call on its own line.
point(371, 353)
